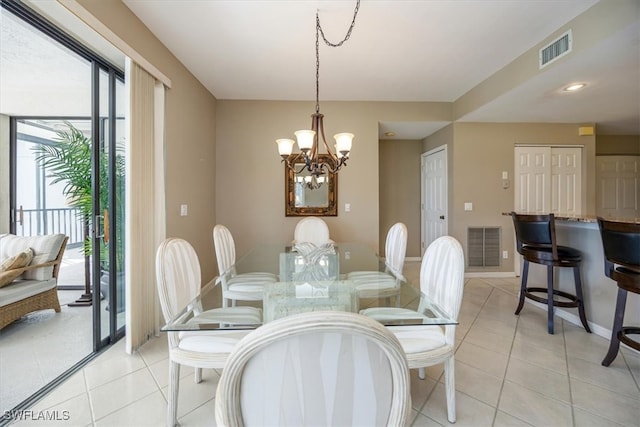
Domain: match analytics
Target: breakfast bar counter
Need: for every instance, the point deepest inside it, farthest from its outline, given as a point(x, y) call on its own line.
point(600, 292)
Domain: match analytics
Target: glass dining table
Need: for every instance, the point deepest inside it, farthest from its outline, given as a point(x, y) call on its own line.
point(315, 279)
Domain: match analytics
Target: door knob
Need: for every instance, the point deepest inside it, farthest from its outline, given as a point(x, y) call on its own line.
point(441, 216)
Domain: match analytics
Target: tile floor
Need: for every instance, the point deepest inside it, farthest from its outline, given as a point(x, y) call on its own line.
point(42, 345)
point(509, 372)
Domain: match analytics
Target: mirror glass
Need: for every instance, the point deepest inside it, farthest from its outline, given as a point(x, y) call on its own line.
point(303, 200)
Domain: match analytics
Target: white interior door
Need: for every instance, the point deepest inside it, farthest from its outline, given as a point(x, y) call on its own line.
point(532, 175)
point(618, 189)
point(434, 195)
point(566, 180)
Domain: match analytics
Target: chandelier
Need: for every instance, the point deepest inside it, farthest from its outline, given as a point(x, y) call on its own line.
point(308, 140)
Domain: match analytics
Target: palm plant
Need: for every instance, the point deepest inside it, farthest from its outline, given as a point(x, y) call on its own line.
point(69, 161)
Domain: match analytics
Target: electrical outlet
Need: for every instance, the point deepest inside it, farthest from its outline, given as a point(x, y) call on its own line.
point(505, 254)
point(347, 207)
point(347, 255)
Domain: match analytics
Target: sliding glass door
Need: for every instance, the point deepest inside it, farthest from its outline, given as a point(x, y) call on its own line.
point(65, 109)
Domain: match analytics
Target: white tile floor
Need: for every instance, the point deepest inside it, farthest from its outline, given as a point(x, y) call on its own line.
point(509, 372)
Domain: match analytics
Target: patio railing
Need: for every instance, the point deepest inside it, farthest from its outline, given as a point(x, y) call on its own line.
point(51, 221)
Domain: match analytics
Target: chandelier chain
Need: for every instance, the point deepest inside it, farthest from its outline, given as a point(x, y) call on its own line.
point(315, 163)
point(320, 32)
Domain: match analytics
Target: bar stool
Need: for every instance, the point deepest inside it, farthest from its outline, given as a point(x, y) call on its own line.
point(536, 242)
point(621, 244)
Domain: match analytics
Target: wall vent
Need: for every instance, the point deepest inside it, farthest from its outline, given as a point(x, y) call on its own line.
point(556, 49)
point(483, 246)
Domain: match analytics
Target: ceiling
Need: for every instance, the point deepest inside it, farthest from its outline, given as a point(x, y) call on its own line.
point(405, 51)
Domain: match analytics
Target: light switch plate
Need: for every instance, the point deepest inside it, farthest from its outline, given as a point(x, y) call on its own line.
point(468, 206)
point(184, 210)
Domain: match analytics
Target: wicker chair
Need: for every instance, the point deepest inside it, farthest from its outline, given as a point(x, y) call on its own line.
point(25, 296)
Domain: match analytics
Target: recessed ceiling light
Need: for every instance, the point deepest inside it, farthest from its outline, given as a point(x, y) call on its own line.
point(574, 87)
point(389, 134)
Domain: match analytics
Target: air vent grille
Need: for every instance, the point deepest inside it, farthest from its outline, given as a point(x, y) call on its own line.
point(483, 245)
point(556, 49)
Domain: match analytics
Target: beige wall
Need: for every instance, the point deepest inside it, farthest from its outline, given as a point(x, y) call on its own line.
point(400, 190)
point(617, 145)
point(250, 177)
point(480, 152)
point(190, 133)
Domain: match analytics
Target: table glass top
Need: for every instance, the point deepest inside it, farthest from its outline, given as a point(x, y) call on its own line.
point(314, 279)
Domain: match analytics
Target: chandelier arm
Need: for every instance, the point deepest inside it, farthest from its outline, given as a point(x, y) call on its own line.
point(290, 163)
point(330, 152)
point(332, 169)
point(316, 122)
point(303, 167)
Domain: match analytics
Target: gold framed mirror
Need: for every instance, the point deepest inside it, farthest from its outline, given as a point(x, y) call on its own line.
point(302, 200)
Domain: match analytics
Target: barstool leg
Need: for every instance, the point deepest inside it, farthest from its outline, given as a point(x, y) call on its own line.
point(578, 281)
point(550, 298)
point(523, 285)
point(618, 318)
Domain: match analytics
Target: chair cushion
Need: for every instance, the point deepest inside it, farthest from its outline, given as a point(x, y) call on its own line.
point(231, 315)
point(9, 276)
point(367, 274)
point(214, 342)
point(19, 260)
point(45, 248)
point(418, 339)
point(245, 286)
point(545, 253)
point(21, 289)
point(364, 284)
point(11, 268)
point(627, 279)
point(256, 276)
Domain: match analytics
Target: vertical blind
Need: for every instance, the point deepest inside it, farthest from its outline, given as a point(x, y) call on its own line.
point(145, 211)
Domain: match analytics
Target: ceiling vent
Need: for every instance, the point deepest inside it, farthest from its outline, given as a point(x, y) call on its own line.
point(556, 49)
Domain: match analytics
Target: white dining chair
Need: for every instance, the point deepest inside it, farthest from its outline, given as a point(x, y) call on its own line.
point(442, 282)
point(245, 286)
point(312, 230)
point(179, 281)
point(385, 284)
point(327, 368)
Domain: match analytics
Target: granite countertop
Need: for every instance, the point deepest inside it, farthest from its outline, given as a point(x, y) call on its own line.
point(582, 218)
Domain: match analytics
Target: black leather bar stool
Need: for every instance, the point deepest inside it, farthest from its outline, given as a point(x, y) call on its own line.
point(621, 244)
point(536, 242)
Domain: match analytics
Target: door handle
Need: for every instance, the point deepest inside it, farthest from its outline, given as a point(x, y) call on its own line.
point(441, 216)
point(95, 227)
point(21, 216)
point(105, 226)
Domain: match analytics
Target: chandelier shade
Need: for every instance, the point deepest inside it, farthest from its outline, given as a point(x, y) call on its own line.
point(309, 140)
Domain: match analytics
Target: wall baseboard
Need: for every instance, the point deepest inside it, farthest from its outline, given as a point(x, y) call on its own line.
point(575, 320)
point(496, 274)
